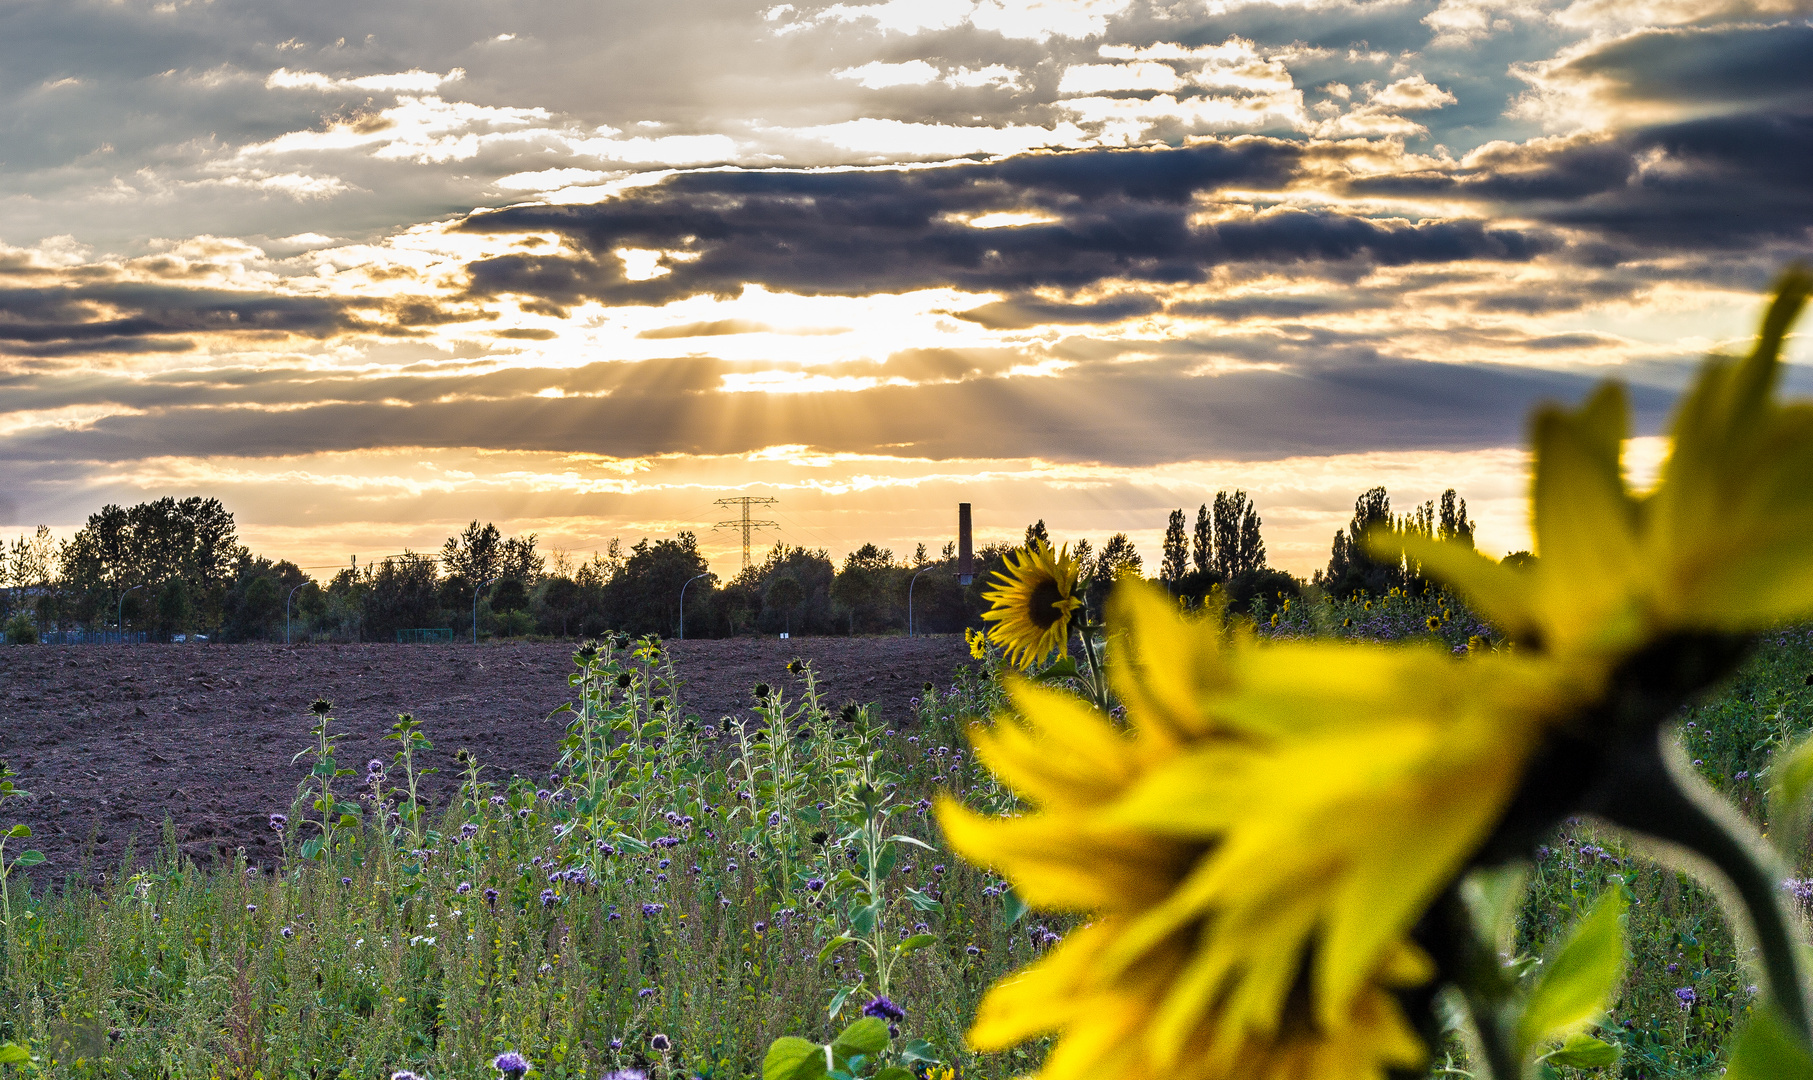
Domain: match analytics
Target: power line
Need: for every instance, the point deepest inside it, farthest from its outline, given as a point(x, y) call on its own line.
point(746, 523)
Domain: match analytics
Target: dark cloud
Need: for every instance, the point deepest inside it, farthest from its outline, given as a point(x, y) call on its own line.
point(1119, 215)
point(1023, 312)
point(1125, 414)
point(126, 316)
point(1698, 186)
point(1702, 68)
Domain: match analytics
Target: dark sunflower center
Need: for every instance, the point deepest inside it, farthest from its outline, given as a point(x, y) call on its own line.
point(1044, 603)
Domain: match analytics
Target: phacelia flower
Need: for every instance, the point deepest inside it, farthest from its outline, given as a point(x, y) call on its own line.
point(884, 1009)
point(511, 1064)
point(660, 1043)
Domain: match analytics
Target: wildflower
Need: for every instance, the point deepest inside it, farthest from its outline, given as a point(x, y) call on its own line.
point(883, 1009)
point(972, 950)
point(624, 1074)
point(1033, 602)
point(491, 897)
point(660, 1043)
point(653, 909)
point(645, 992)
point(279, 822)
point(760, 927)
point(815, 884)
point(1685, 998)
point(287, 933)
point(616, 1044)
point(404, 1074)
point(548, 897)
point(251, 909)
point(374, 767)
point(346, 881)
point(468, 830)
point(511, 1064)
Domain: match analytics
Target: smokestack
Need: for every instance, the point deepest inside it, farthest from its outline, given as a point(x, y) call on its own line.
point(966, 549)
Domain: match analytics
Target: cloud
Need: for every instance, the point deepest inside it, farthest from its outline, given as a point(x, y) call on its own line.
point(1118, 216)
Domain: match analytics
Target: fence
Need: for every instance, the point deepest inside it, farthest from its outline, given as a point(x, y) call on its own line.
point(92, 637)
point(423, 637)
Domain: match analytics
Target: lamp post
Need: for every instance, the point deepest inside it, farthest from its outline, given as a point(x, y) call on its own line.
point(119, 618)
point(689, 581)
point(910, 584)
point(475, 592)
point(286, 612)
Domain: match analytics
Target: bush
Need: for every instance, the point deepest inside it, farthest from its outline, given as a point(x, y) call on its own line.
point(20, 630)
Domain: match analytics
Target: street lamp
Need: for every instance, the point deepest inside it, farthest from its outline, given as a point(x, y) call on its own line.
point(689, 581)
point(910, 584)
point(475, 592)
point(119, 618)
point(286, 612)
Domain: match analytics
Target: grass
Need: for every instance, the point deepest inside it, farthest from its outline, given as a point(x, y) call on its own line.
point(677, 878)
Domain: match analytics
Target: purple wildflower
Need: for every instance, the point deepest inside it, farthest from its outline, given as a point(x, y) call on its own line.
point(884, 1009)
point(511, 1064)
point(1686, 998)
point(660, 1043)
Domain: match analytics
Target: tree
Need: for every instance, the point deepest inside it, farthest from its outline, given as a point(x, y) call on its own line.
point(401, 594)
point(1350, 568)
point(1239, 549)
point(1453, 525)
point(1037, 531)
point(784, 595)
point(644, 597)
point(1202, 551)
point(194, 540)
point(1176, 560)
point(865, 589)
point(1119, 559)
point(474, 556)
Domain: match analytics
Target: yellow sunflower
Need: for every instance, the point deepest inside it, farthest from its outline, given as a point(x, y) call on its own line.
point(1033, 602)
point(1252, 850)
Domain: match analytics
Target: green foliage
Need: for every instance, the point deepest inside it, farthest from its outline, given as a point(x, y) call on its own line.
point(1580, 982)
point(21, 629)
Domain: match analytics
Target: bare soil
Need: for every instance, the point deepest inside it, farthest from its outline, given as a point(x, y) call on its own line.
point(111, 739)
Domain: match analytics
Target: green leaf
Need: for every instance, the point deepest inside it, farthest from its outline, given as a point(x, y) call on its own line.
point(1012, 907)
point(833, 945)
point(917, 1050)
point(1493, 898)
point(13, 1054)
point(903, 838)
point(922, 901)
point(913, 944)
point(311, 848)
point(1582, 1051)
point(1792, 775)
point(1578, 985)
point(866, 1036)
point(862, 919)
point(1767, 1050)
point(894, 1072)
point(837, 1001)
point(793, 1058)
point(29, 858)
point(1062, 669)
point(19, 830)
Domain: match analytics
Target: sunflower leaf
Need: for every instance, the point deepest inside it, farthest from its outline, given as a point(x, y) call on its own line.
point(1582, 1051)
point(1767, 1050)
point(793, 1058)
point(866, 1036)
point(1792, 779)
point(1578, 984)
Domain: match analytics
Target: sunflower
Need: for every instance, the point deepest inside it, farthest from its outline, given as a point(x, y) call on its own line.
point(1252, 850)
point(1256, 849)
point(1033, 603)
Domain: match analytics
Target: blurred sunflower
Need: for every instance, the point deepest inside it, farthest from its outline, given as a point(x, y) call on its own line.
point(1033, 602)
point(1257, 848)
point(1253, 849)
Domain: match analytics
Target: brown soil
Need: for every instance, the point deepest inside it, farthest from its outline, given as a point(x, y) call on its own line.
point(111, 739)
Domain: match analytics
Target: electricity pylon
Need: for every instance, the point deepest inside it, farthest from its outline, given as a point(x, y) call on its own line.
point(745, 523)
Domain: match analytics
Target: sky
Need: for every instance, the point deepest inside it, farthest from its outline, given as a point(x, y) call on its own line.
point(582, 268)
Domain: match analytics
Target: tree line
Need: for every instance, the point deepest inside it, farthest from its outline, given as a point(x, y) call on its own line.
point(176, 567)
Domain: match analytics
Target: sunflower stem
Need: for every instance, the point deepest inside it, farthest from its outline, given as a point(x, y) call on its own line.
point(1672, 805)
point(1098, 689)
